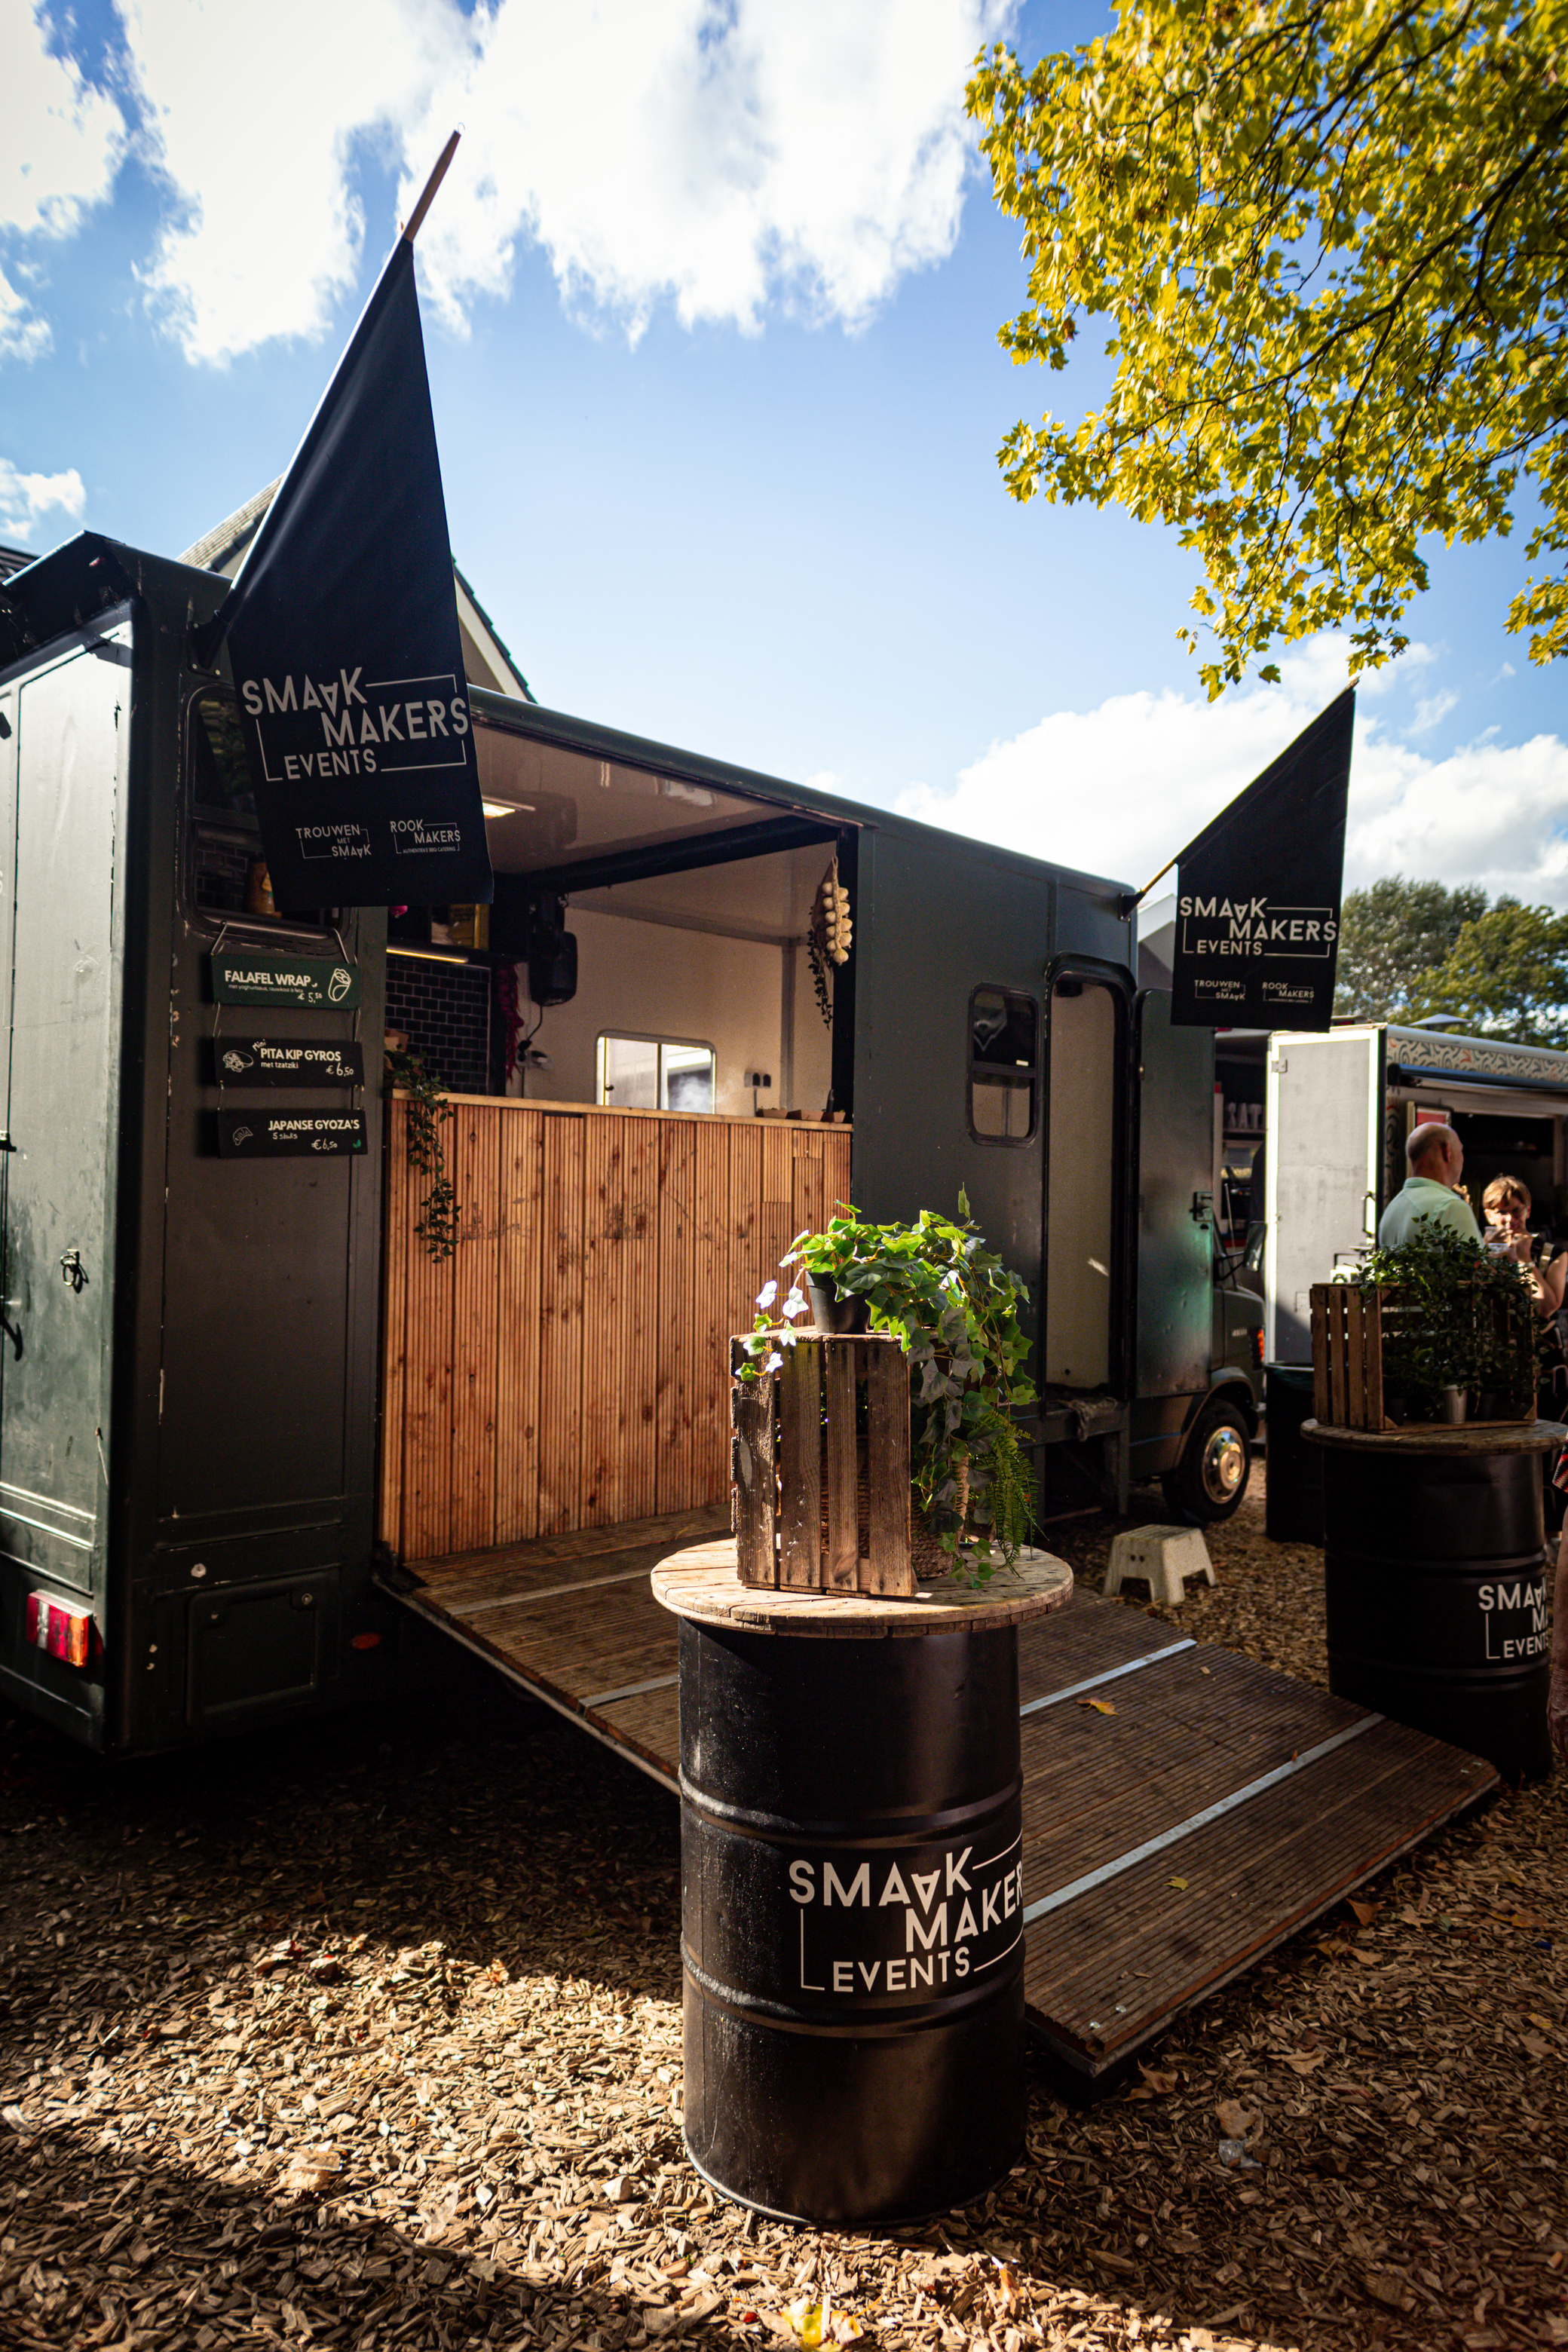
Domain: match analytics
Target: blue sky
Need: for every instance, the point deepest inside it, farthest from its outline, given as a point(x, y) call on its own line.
point(710, 304)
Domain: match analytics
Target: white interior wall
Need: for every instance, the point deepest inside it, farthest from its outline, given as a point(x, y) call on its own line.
point(652, 980)
point(713, 954)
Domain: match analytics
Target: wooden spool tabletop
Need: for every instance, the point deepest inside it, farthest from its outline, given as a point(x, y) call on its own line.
point(1442, 1437)
point(701, 1584)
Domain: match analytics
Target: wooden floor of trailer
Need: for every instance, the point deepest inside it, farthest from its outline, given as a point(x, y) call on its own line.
point(1168, 1844)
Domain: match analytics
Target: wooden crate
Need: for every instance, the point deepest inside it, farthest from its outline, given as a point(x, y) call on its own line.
point(807, 1517)
point(1350, 1330)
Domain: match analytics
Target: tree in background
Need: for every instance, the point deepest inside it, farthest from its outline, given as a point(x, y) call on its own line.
point(1332, 241)
point(1392, 935)
point(1507, 976)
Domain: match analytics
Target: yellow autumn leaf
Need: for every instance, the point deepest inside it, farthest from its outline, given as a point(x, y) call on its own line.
point(1180, 1883)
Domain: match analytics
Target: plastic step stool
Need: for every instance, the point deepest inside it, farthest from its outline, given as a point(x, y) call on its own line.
point(1166, 1557)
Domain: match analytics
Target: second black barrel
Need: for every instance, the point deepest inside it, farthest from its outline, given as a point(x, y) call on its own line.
point(1436, 1583)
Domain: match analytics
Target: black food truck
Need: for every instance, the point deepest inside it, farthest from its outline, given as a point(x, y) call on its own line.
point(192, 1390)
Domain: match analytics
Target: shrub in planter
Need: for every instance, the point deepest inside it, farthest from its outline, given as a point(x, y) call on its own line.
point(1465, 1319)
point(954, 1307)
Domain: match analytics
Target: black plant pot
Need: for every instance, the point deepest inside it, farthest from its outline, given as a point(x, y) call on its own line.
point(843, 1315)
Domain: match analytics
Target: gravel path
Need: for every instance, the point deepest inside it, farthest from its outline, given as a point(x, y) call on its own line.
point(369, 2036)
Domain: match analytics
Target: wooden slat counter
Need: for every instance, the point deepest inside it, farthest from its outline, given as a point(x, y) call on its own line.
point(567, 1366)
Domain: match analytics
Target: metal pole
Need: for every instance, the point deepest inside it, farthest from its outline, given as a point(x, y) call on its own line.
point(417, 217)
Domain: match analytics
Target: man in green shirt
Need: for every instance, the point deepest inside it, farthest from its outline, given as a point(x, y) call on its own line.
point(1437, 1161)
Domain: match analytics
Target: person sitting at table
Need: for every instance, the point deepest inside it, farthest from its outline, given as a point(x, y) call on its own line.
point(1506, 1203)
point(1435, 1159)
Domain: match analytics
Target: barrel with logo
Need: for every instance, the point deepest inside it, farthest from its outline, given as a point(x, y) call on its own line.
point(852, 1931)
point(1437, 1582)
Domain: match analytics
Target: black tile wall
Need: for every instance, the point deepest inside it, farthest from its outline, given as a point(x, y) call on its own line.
point(446, 1009)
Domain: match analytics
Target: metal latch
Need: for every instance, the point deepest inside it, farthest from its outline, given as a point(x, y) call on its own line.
point(73, 1271)
point(1203, 1208)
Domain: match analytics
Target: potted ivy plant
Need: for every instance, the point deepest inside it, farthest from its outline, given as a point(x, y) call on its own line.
point(954, 1307)
point(1464, 1326)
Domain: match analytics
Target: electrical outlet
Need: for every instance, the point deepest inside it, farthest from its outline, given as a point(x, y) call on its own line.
point(759, 1079)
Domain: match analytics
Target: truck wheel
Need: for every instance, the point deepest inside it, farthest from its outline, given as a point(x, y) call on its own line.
point(1210, 1479)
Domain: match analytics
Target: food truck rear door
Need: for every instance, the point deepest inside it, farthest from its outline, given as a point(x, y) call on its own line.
point(62, 956)
point(1322, 1191)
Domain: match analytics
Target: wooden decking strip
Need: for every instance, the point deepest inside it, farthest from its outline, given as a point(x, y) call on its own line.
point(548, 1592)
point(1106, 1675)
point(632, 1690)
point(1208, 1810)
point(1137, 1854)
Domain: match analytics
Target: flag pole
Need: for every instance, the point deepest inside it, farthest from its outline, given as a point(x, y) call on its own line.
point(417, 217)
point(1131, 899)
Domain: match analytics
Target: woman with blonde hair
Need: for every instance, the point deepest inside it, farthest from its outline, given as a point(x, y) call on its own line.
point(1506, 1205)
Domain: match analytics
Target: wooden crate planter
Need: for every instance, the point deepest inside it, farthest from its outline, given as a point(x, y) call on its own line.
point(812, 1512)
point(1352, 1330)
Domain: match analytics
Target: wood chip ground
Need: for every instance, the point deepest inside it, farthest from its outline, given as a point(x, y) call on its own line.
point(368, 2035)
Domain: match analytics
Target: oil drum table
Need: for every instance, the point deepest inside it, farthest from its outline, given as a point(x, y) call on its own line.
point(852, 1931)
point(1437, 1582)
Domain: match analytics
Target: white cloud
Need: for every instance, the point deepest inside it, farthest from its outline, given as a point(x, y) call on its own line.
point(24, 498)
point(718, 154)
point(60, 139)
point(1118, 790)
point(23, 334)
point(253, 115)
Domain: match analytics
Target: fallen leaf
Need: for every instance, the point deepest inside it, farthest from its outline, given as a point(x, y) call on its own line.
point(1365, 1912)
point(1235, 2120)
point(1156, 2078)
point(816, 2324)
point(1101, 1706)
point(1304, 2061)
point(1180, 1884)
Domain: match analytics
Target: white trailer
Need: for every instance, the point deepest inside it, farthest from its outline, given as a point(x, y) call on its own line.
point(1340, 1108)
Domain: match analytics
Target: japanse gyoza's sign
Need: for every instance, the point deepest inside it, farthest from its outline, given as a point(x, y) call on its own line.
point(288, 1134)
point(1257, 893)
point(342, 628)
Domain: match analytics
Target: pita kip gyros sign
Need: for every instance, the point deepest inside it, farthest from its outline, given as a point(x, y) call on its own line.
point(1257, 893)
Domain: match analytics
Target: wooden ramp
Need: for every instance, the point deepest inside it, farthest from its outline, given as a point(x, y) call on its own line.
point(1168, 1843)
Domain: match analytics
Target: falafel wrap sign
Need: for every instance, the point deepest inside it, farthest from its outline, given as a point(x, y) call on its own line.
point(343, 631)
point(1259, 892)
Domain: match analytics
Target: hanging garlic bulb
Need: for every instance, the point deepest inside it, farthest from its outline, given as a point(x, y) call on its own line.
point(833, 916)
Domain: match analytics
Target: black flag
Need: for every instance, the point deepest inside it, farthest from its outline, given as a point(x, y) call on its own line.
point(343, 631)
point(1257, 893)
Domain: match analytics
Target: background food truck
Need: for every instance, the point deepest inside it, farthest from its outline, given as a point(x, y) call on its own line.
point(1340, 1106)
point(231, 1369)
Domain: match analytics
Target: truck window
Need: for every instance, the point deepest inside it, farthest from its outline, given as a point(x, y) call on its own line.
point(1003, 1059)
point(226, 871)
point(654, 1074)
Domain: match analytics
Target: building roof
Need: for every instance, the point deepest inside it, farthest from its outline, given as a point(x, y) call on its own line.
point(14, 558)
point(486, 659)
